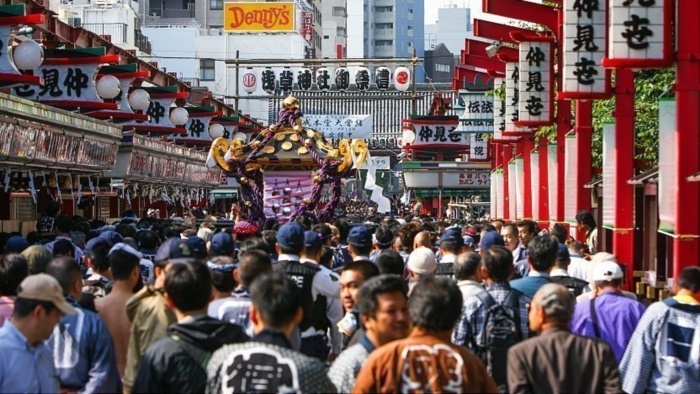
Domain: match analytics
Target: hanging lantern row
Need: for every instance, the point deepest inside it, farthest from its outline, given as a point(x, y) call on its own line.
point(304, 79)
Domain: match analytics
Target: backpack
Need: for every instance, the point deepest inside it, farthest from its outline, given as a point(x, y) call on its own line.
point(500, 331)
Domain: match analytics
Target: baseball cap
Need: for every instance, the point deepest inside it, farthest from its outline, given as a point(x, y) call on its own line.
point(468, 241)
point(312, 240)
point(422, 261)
point(360, 236)
point(93, 242)
point(111, 236)
point(16, 244)
point(126, 248)
point(198, 246)
point(490, 239)
point(563, 252)
point(221, 244)
point(606, 271)
point(175, 250)
point(452, 235)
point(43, 287)
point(291, 235)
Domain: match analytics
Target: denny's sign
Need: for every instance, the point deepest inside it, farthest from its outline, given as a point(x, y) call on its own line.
point(259, 17)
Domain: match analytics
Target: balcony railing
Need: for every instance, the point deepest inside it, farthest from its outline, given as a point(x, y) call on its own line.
point(141, 42)
point(117, 31)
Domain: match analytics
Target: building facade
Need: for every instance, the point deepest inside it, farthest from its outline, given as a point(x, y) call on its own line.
point(439, 64)
point(453, 26)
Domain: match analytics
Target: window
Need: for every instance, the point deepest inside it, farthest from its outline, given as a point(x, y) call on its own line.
point(216, 4)
point(206, 69)
point(382, 26)
point(442, 68)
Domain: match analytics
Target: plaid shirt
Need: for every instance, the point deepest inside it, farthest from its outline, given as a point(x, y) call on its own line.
point(471, 322)
point(652, 362)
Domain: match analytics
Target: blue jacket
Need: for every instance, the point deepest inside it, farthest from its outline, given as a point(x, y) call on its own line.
point(530, 284)
point(83, 353)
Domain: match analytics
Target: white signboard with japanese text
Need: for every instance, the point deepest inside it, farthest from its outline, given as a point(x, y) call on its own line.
point(438, 134)
point(639, 33)
point(477, 114)
point(512, 99)
point(340, 126)
point(466, 179)
point(197, 129)
point(478, 148)
point(377, 162)
point(63, 83)
point(535, 83)
point(584, 49)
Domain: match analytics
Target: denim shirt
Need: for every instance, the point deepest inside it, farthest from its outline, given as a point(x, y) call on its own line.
point(23, 368)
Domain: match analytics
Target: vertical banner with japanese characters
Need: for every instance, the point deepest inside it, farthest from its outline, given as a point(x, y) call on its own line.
point(512, 99)
point(307, 27)
point(667, 165)
point(640, 33)
point(477, 116)
point(584, 49)
point(570, 178)
point(535, 183)
point(552, 180)
point(536, 83)
point(609, 178)
point(499, 111)
point(478, 148)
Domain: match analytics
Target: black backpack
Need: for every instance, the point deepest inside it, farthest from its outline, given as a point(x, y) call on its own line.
point(500, 331)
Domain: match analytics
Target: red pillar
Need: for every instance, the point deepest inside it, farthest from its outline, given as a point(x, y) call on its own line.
point(507, 156)
point(584, 146)
point(686, 248)
point(623, 235)
point(528, 146)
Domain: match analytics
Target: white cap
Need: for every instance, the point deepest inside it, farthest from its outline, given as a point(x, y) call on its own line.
point(422, 261)
point(606, 271)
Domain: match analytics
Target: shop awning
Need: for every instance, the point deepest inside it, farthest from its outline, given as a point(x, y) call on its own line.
point(593, 183)
point(651, 176)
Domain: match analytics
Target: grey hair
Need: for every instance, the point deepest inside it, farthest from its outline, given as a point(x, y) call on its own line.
point(556, 301)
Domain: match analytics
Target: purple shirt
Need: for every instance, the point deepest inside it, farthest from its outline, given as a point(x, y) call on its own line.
point(617, 318)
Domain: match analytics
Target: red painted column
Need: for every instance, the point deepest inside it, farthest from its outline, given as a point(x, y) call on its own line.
point(528, 146)
point(686, 248)
point(623, 235)
point(584, 146)
point(507, 156)
point(543, 215)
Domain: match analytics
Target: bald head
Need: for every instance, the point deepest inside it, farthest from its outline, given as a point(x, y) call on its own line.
point(422, 239)
point(552, 305)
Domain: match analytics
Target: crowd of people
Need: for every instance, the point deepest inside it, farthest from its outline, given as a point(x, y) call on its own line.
point(382, 305)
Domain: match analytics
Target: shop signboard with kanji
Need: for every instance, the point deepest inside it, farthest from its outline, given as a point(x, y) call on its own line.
point(63, 83)
point(640, 33)
point(478, 148)
point(430, 133)
point(585, 35)
point(477, 112)
point(512, 111)
point(536, 82)
point(340, 126)
point(307, 27)
point(466, 179)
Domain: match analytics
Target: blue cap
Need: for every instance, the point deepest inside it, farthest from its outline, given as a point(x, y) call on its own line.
point(16, 244)
point(112, 237)
point(175, 250)
point(291, 235)
point(469, 241)
point(452, 235)
point(312, 240)
point(360, 236)
point(198, 246)
point(490, 239)
point(221, 244)
point(563, 252)
point(93, 242)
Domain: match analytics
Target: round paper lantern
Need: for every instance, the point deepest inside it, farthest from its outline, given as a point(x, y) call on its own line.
point(179, 116)
point(323, 79)
point(240, 136)
point(108, 87)
point(409, 136)
point(28, 55)
point(362, 79)
point(216, 131)
point(342, 79)
point(139, 100)
point(382, 77)
point(402, 78)
point(250, 81)
point(305, 79)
